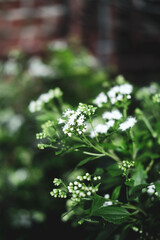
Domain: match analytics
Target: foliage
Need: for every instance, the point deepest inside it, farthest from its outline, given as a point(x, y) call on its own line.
point(26, 172)
point(114, 185)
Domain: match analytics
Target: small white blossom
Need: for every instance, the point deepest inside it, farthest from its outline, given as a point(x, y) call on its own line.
point(10, 67)
point(151, 189)
point(80, 120)
point(130, 122)
point(115, 114)
point(101, 98)
point(107, 203)
point(72, 119)
point(117, 93)
point(37, 105)
point(101, 128)
point(38, 69)
point(110, 123)
point(126, 88)
point(60, 121)
point(107, 196)
point(68, 112)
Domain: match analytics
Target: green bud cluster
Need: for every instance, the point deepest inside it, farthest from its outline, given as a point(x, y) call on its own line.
point(41, 146)
point(48, 124)
point(83, 187)
point(44, 133)
point(58, 193)
point(40, 135)
point(125, 165)
point(57, 181)
point(86, 109)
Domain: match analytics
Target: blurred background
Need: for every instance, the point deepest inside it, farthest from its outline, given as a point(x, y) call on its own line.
point(79, 46)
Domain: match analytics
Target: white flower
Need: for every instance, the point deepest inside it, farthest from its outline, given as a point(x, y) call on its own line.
point(107, 203)
point(80, 120)
point(10, 67)
point(113, 91)
point(117, 93)
point(60, 121)
point(120, 97)
point(110, 123)
point(151, 189)
point(101, 98)
point(101, 128)
point(44, 98)
point(107, 196)
point(38, 69)
point(35, 106)
point(126, 88)
point(115, 114)
point(130, 122)
point(68, 112)
point(71, 120)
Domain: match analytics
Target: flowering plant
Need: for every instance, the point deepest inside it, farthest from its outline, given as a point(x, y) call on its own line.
point(114, 186)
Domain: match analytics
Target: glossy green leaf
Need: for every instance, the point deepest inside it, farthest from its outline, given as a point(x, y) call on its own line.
point(116, 192)
point(112, 214)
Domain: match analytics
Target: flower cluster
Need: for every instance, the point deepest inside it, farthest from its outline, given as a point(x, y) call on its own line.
point(125, 165)
point(114, 114)
point(100, 99)
point(102, 128)
point(109, 117)
point(118, 92)
point(37, 105)
point(74, 122)
point(83, 187)
point(128, 123)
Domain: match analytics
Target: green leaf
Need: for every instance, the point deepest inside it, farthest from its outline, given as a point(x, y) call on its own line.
point(136, 191)
point(114, 170)
point(157, 185)
point(86, 160)
point(139, 176)
point(112, 214)
point(97, 203)
point(129, 182)
point(116, 192)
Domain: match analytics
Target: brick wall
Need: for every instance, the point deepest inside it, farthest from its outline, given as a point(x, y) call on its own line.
point(30, 24)
point(124, 34)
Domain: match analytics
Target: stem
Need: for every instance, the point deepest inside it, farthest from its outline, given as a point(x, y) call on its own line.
point(125, 107)
point(134, 151)
point(130, 206)
point(149, 166)
point(90, 120)
point(101, 150)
